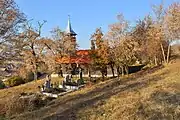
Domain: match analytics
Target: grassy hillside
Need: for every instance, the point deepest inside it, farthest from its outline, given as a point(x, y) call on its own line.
point(7, 94)
point(152, 94)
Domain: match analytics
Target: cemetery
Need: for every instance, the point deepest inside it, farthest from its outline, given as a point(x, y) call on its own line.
point(62, 87)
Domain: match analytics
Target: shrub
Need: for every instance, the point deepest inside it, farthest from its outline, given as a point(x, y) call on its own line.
point(14, 81)
point(29, 77)
point(80, 81)
point(2, 85)
point(2, 117)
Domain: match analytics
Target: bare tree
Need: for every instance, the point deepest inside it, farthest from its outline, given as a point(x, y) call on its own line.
point(121, 46)
point(66, 44)
point(11, 20)
point(172, 25)
point(31, 52)
point(100, 55)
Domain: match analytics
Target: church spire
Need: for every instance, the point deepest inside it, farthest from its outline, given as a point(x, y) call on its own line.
point(69, 30)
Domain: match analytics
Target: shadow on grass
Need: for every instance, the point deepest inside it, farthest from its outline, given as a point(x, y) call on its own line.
point(162, 97)
point(68, 109)
point(165, 106)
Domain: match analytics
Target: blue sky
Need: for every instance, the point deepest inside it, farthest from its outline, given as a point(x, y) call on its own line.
point(86, 15)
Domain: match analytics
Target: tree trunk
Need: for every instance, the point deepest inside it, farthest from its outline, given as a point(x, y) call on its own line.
point(155, 60)
point(122, 70)
point(105, 71)
point(168, 54)
point(126, 69)
point(102, 72)
point(112, 69)
point(35, 75)
point(89, 71)
point(163, 53)
point(118, 71)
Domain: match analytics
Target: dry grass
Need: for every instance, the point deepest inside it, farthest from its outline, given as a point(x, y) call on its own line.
point(157, 97)
point(152, 94)
point(8, 93)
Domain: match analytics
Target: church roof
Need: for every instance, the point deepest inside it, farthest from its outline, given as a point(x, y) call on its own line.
point(82, 57)
point(69, 29)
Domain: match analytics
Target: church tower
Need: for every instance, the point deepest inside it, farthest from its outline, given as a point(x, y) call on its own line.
point(70, 32)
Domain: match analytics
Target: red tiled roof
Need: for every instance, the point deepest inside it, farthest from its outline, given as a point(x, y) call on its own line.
point(82, 58)
point(83, 52)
